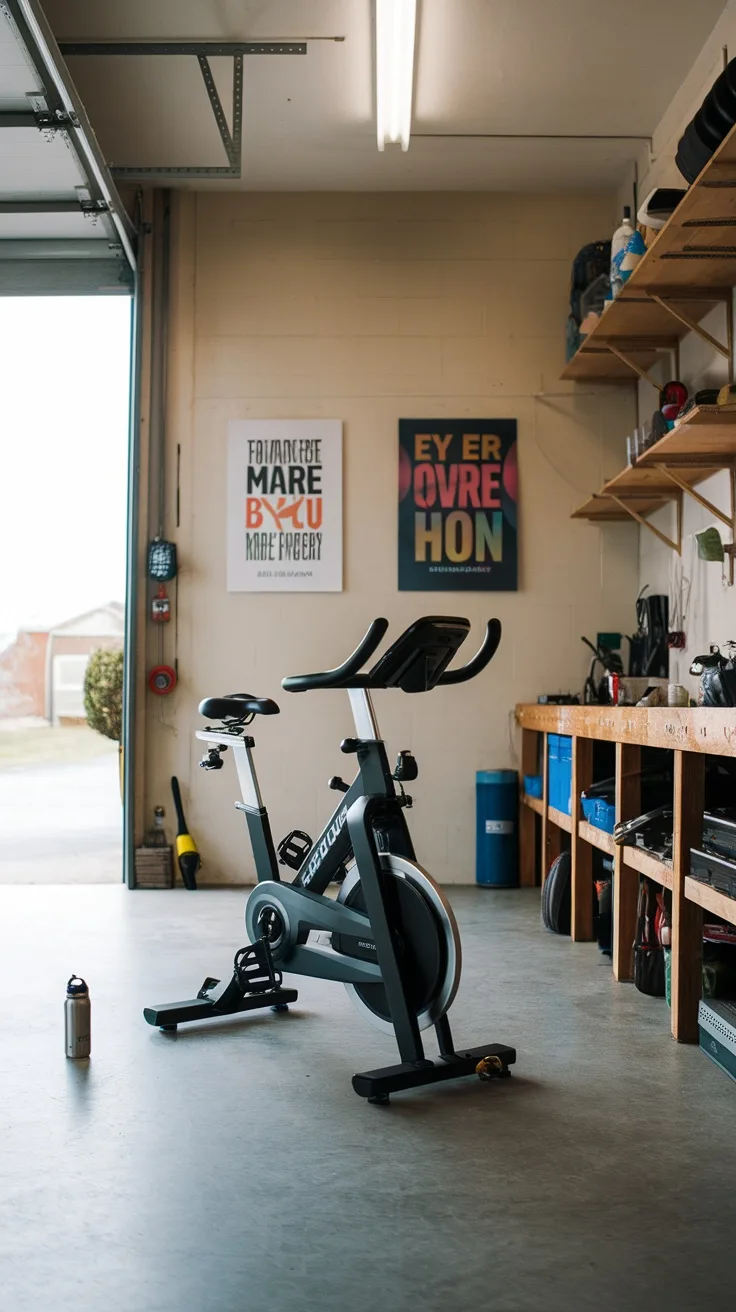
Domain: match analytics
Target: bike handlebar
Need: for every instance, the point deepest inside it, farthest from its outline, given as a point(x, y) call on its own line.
point(483, 656)
point(412, 663)
point(348, 670)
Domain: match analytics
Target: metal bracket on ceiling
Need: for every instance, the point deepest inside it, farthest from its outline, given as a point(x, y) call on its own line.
point(673, 544)
point(58, 104)
point(203, 51)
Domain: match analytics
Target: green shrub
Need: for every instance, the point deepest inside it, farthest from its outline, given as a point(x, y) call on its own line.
point(103, 693)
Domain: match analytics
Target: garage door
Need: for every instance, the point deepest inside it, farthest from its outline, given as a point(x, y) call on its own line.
point(63, 228)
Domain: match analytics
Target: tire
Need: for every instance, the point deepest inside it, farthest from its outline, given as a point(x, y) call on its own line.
point(556, 896)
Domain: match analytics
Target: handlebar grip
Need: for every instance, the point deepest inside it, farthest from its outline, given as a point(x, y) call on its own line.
point(338, 677)
point(483, 656)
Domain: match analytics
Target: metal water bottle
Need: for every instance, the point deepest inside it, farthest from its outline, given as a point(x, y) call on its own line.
point(77, 1018)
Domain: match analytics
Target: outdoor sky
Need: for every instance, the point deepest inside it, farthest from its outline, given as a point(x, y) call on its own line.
point(64, 372)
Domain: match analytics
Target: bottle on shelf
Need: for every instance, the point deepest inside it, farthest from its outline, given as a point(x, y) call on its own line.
point(618, 247)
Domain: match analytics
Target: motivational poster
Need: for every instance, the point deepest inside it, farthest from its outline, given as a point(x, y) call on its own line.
point(458, 497)
point(284, 505)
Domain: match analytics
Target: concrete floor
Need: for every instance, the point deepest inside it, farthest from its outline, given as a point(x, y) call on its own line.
point(232, 1168)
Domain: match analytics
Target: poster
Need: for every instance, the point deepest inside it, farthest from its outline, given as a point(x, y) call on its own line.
point(284, 505)
point(457, 505)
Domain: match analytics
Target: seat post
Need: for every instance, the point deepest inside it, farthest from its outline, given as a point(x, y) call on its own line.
point(366, 724)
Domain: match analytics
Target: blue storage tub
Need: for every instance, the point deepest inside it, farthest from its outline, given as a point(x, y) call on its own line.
point(599, 813)
point(533, 785)
point(559, 757)
point(496, 836)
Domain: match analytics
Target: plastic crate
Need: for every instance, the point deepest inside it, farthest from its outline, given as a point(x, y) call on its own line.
point(599, 813)
point(533, 785)
point(559, 749)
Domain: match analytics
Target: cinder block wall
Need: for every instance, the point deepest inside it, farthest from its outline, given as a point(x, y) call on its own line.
point(369, 308)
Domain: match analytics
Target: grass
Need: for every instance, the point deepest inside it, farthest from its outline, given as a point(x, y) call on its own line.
point(45, 745)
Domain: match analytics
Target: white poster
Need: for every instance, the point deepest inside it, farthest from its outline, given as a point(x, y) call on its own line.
point(284, 505)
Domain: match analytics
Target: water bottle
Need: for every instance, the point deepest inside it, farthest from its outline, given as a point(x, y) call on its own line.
point(618, 246)
point(77, 1018)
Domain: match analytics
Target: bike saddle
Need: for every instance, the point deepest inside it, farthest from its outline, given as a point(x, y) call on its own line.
point(236, 706)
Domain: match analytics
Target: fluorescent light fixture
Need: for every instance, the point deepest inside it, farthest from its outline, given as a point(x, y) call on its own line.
point(395, 28)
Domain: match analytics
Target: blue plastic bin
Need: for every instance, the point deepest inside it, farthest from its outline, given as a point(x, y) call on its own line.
point(496, 841)
point(559, 755)
point(599, 812)
point(533, 785)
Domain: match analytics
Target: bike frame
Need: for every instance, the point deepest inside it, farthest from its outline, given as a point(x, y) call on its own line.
point(334, 846)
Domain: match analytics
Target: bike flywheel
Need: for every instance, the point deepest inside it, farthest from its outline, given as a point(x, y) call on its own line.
point(426, 940)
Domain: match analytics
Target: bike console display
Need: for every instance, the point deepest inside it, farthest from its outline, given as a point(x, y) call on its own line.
point(415, 662)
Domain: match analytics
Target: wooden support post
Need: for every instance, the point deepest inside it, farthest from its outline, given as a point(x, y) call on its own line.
point(687, 917)
point(625, 880)
point(581, 853)
point(527, 817)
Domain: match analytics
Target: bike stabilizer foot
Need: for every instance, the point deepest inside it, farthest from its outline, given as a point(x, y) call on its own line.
point(491, 1061)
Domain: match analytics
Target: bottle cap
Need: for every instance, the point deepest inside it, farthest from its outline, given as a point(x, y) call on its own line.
point(627, 211)
point(75, 986)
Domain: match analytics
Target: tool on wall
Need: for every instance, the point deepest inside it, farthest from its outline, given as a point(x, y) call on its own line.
point(649, 658)
point(596, 692)
point(162, 680)
point(161, 606)
point(162, 568)
point(186, 849)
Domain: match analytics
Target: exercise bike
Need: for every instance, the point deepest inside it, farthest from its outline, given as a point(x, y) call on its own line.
point(390, 935)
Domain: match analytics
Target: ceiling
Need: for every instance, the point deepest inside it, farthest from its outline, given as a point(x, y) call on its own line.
point(61, 226)
point(584, 67)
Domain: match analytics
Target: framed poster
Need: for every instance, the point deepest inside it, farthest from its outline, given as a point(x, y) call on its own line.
point(284, 505)
point(458, 493)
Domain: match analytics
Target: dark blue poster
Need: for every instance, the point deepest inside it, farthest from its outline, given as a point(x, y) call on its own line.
point(458, 497)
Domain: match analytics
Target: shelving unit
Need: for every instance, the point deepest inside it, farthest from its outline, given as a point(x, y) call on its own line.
point(534, 804)
point(710, 899)
point(596, 837)
point(691, 734)
point(646, 863)
point(703, 443)
point(559, 818)
point(689, 268)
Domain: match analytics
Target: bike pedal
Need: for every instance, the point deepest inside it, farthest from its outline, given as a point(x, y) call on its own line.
point(294, 848)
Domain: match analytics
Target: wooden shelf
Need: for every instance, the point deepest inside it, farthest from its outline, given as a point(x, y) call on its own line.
point(648, 864)
point(559, 818)
point(602, 509)
point(534, 803)
point(702, 443)
point(688, 267)
point(706, 435)
point(690, 734)
point(645, 481)
point(706, 729)
point(710, 899)
point(596, 837)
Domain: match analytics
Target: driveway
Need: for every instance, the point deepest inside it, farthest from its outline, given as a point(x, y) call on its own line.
point(61, 823)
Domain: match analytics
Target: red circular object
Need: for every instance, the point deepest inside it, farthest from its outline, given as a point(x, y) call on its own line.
point(162, 680)
point(405, 473)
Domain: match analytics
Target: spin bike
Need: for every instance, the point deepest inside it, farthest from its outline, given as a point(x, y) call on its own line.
point(390, 936)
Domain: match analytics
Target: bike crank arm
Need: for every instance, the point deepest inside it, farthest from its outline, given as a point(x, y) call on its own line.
point(286, 914)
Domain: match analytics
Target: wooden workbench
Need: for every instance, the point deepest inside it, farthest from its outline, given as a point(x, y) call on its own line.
point(691, 733)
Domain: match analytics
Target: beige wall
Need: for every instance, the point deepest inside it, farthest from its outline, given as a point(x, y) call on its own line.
point(367, 309)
